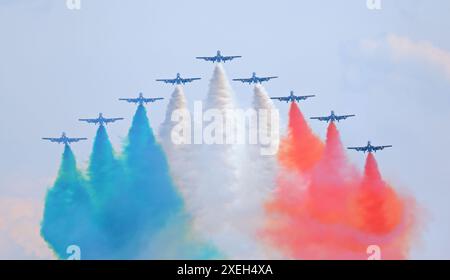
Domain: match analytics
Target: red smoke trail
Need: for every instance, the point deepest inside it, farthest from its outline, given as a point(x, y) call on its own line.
point(335, 213)
point(378, 207)
point(299, 152)
point(331, 181)
point(380, 211)
point(301, 149)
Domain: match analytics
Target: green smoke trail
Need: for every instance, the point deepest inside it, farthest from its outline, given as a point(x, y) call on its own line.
point(67, 212)
point(107, 185)
point(150, 183)
point(133, 208)
point(158, 209)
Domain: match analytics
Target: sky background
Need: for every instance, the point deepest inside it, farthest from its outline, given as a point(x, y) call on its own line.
point(390, 67)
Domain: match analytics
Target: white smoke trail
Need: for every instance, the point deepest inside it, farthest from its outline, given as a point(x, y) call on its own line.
point(179, 156)
point(215, 189)
point(258, 173)
point(259, 168)
point(203, 173)
point(224, 188)
point(206, 174)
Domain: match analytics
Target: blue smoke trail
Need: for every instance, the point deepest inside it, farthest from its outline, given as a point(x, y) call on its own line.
point(158, 207)
point(67, 213)
point(104, 169)
point(107, 186)
point(151, 187)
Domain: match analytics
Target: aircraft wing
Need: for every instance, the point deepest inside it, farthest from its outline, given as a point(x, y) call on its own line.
point(131, 100)
point(284, 98)
point(378, 148)
point(244, 80)
point(89, 120)
point(55, 140)
point(71, 140)
point(321, 118)
point(343, 117)
point(298, 98)
point(359, 149)
point(167, 81)
point(146, 100)
point(206, 58)
point(188, 80)
point(226, 58)
point(265, 79)
point(111, 120)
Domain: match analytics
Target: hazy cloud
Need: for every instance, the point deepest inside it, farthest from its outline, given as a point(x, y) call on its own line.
point(401, 47)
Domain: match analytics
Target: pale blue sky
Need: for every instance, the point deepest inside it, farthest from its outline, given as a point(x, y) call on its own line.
point(57, 65)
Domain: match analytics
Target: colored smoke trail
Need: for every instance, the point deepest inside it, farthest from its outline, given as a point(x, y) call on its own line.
point(379, 208)
point(382, 213)
point(106, 185)
point(337, 214)
point(148, 198)
point(332, 180)
point(136, 209)
point(151, 190)
point(130, 207)
point(301, 149)
point(67, 216)
point(104, 171)
point(163, 226)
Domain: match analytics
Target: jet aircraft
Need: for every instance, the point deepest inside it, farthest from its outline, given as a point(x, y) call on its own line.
point(332, 117)
point(101, 120)
point(64, 139)
point(141, 99)
point(292, 97)
point(178, 80)
point(369, 148)
point(218, 58)
point(255, 79)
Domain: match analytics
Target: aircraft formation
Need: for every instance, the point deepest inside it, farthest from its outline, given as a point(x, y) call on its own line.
point(254, 79)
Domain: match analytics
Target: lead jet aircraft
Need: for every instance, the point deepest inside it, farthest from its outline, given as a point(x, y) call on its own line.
point(218, 58)
point(101, 120)
point(369, 148)
point(332, 117)
point(255, 80)
point(141, 99)
point(64, 139)
point(292, 97)
point(178, 80)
